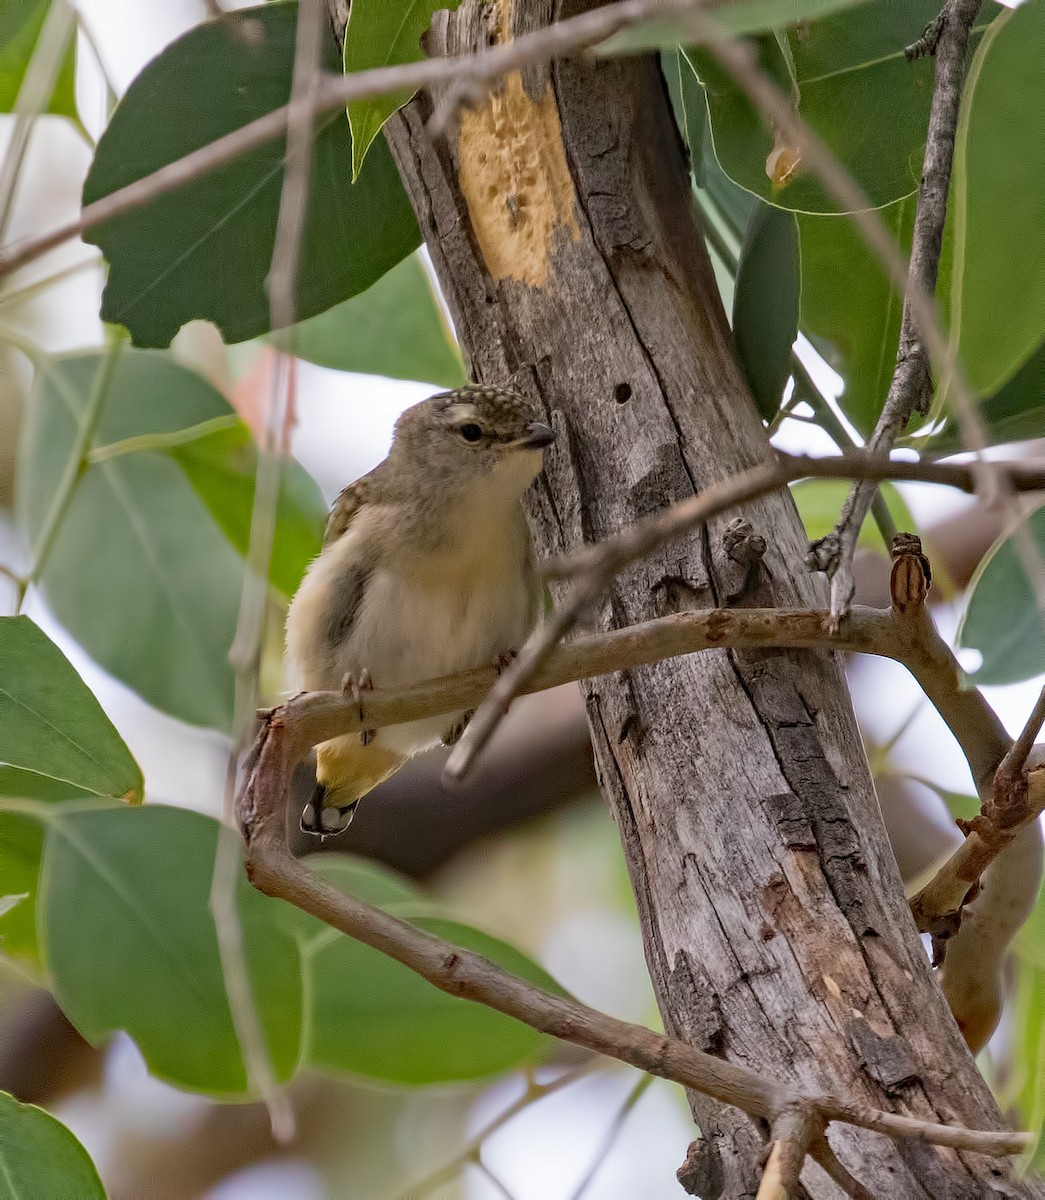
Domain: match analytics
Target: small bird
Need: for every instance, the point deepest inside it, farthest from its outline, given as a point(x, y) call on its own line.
point(426, 569)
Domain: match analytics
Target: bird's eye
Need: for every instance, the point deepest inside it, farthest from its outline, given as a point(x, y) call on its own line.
point(471, 432)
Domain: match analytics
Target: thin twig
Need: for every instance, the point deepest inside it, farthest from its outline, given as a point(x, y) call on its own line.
point(1013, 763)
point(609, 1140)
point(245, 653)
point(460, 972)
point(468, 1153)
point(794, 1131)
point(911, 386)
point(36, 89)
point(335, 91)
point(597, 566)
point(821, 1151)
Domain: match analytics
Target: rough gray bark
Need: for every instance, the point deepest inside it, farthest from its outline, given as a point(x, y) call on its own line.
point(775, 924)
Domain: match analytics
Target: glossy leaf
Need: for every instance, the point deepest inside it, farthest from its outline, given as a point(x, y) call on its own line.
point(855, 89)
point(997, 285)
point(21, 22)
point(371, 1016)
point(205, 249)
point(765, 305)
point(395, 328)
point(820, 501)
point(137, 882)
point(1002, 619)
point(50, 722)
point(39, 1157)
point(1016, 412)
point(221, 465)
point(21, 852)
point(735, 19)
point(139, 573)
point(383, 33)
point(847, 301)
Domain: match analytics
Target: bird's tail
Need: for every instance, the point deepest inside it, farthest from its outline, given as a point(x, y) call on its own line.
point(346, 770)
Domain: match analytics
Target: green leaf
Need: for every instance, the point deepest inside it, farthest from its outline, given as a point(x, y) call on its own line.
point(204, 250)
point(765, 305)
point(50, 722)
point(139, 573)
point(997, 292)
point(221, 465)
point(1002, 619)
point(383, 33)
point(1016, 412)
point(820, 501)
point(732, 19)
point(39, 1157)
point(20, 24)
point(854, 88)
point(372, 1016)
point(395, 328)
point(21, 851)
point(848, 301)
point(137, 882)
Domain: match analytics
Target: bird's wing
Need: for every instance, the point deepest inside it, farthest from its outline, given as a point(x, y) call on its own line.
point(346, 506)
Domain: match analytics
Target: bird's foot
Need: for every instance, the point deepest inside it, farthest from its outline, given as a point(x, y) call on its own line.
point(325, 822)
point(456, 731)
point(503, 661)
point(354, 686)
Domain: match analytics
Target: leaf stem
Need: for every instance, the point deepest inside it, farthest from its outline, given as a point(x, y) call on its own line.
point(142, 443)
point(76, 465)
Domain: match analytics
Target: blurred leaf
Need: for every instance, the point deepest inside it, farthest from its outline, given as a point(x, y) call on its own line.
point(372, 1016)
point(204, 250)
point(731, 19)
point(39, 1157)
point(139, 573)
point(995, 209)
point(765, 305)
point(395, 328)
point(137, 882)
point(820, 501)
point(688, 104)
point(1014, 413)
point(1027, 1055)
point(221, 465)
point(50, 722)
point(21, 849)
point(1001, 618)
point(855, 89)
point(848, 301)
point(383, 33)
point(20, 24)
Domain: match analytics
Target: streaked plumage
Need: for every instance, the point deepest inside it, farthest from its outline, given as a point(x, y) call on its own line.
point(426, 569)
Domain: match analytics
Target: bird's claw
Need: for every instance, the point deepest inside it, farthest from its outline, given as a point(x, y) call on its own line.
point(355, 685)
point(327, 821)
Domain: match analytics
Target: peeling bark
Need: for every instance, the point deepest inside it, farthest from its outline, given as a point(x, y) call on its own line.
point(776, 929)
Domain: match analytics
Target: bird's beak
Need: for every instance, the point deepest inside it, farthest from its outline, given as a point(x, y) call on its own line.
point(538, 436)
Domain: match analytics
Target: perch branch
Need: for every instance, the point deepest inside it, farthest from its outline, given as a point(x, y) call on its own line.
point(471, 72)
point(463, 973)
point(596, 566)
point(794, 1132)
point(911, 386)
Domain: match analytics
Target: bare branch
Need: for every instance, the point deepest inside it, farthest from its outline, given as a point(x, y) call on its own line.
point(597, 566)
point(911, 387)
point(821, 1151)
point(463, 973)
point(335, 91)
point(794, 1131)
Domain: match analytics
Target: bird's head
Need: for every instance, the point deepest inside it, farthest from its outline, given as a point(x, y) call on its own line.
point(487, 435)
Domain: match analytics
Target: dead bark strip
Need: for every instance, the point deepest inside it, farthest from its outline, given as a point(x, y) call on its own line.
point(558, 216)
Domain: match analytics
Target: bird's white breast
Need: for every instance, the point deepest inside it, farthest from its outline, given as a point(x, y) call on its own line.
point(424, 613)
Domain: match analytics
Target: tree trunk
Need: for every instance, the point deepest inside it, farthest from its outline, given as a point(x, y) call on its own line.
point(558, 216)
